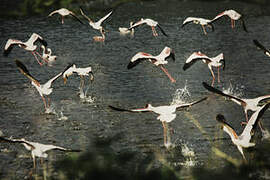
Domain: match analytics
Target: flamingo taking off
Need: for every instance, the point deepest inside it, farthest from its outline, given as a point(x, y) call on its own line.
point(166, 113)
point(201, 21)
point(28, 45)
point(260, 46)
point(247, 104)
point(233, 15)
point(211, 62)
point(96, 25)
point(243, 140)
point(65, 12)
point(158, 60)
point(43, 89)
point(37, 149)
point(150, 23)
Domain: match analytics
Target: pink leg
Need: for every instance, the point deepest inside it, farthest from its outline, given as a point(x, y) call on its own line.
point(164, 132)
point(41, 57)
point(218, 75)
point(62, 18)
point(154, 31)
point(232, 23)
point(37, 58)
point(167, 73)
point(49, 102)
point(213, 80)
point(204, 30)
point(44, 101)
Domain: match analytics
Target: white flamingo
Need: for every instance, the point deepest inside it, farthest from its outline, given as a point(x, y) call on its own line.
point(243, 140)
point(37, 149)
point(166, 113)
point(43, 89)
point(28, 45)
point(65, 12)
point(201, 21)
point(151, 23)
point(158, 60)
point(211, 62)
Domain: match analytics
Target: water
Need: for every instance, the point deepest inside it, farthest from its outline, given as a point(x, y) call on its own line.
point(75, 122)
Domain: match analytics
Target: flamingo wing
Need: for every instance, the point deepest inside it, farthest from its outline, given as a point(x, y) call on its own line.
point(190, 104)
point(74, 15)
point(10, 44)
point(139, 57)
point(104, 18)
point(25, 72)
point(86, 17)
point(214, 90)
point(260, 46)
point(163, 32)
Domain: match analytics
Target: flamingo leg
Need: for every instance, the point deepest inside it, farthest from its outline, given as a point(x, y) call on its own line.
point(62, 20)
point(218, 75)
point(167, 73)
point(212, 73)
point(232, 23)
point(154, 31)
point(164, 132)
point(49, 102)
point(41, 57)
point(203, 27)
point(36, 58)
point(34, 162)
point(44, 101)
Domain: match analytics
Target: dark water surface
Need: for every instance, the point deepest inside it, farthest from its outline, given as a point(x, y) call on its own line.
point(22, 112)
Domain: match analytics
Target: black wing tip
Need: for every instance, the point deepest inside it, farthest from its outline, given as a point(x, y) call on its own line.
point(186, 66)
point(131, 64)
point(117, 109)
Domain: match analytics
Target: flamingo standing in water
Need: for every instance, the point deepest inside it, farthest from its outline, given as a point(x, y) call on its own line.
point(43, 89)
point(65, 12)
point(166, 114)
point(201, 21)
point(150, 23)
point(37, 149)
point(233, 15)
point(211, 62)
point(28, 45)
point(243, 140)
point(158, 60)
point(126, 31)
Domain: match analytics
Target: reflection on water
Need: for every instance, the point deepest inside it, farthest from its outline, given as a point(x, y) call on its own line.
point(133, 142)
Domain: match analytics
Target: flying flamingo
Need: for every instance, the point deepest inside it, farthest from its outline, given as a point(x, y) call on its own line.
point(150, 23)
point(96, 25)
point(37, 149)
point(158, 60)
point(243, 140)
point(201, 21)
point(233, 15)
point(43, 89)
point(65, 12)
point(28, 45)
point(126, 31)
point(211, 62)
point(166, 114)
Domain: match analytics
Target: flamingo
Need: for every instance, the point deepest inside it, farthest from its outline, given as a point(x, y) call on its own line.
point(247, 104)
point(65, 12)
point(47, 54)
point(260, 46)
point(43, 89)
point(150, 23)
point(28, 45)
point(96, 25)
point(201, 21)
point(233, 15)
point(126, 31)
point(100, 38)
point(166, 113)
point(37, 149)
point(243, 140)
point(211, 62)
point(158, 60)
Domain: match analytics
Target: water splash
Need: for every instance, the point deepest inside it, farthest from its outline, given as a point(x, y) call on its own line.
point(181, 95)
point(51, 109)
point(83, 93)
point(189, 155)
point(237, 91)
point(265, 134)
